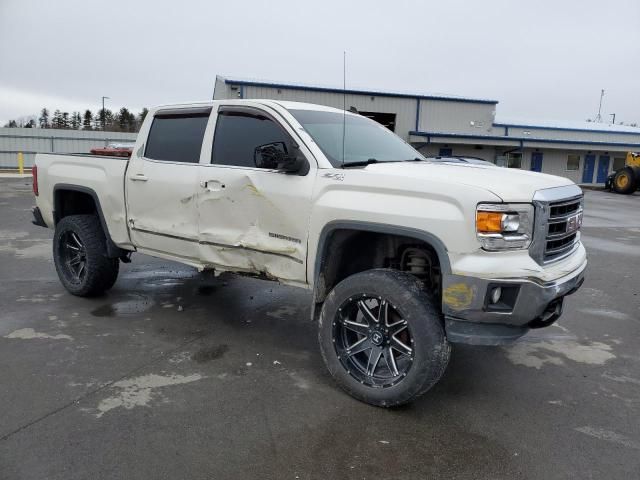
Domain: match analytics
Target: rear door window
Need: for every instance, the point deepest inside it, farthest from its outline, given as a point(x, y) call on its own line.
point(176, 136)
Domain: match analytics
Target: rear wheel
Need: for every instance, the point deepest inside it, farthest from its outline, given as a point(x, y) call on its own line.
point(80, 256)
point(382, 338)
point(624, 181)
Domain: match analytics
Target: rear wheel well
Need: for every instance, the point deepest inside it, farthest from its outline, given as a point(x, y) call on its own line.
point(349, 251)
point(73, 202)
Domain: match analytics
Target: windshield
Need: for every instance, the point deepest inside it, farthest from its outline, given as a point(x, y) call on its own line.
point(364, 140)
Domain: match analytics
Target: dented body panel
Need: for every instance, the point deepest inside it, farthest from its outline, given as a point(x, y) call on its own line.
point(272, 224)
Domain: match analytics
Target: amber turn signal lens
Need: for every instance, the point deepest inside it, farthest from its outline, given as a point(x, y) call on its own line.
point(489, 222)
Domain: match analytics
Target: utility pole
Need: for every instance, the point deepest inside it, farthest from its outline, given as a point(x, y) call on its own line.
point(104, 115)
point(599, 117)
point(614, 118)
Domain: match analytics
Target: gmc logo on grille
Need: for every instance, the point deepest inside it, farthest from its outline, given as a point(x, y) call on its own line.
point(574, 223)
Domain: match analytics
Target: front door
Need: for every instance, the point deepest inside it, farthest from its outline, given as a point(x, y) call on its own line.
point(536, 162)
point(589, 166)
point(162, 185)
point(253, 217)
point(603, 168)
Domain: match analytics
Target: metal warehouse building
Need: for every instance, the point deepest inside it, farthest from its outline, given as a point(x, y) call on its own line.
point(449, 125)
point(30, 141)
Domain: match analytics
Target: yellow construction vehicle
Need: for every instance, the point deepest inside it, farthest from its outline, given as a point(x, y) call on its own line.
point(627, 179)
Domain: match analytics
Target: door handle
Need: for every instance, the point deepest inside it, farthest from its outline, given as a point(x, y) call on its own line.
point(212, 185)
point(139, 178)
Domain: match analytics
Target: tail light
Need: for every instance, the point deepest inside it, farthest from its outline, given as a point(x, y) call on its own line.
point(34, 172)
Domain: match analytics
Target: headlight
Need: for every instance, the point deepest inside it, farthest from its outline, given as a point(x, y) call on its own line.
point(504, 226)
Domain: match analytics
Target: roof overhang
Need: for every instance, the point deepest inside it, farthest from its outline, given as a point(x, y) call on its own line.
point(499, 140)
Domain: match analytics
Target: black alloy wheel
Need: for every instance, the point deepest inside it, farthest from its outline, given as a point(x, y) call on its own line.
point(372, 340)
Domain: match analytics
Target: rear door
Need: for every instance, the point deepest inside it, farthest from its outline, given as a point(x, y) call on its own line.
point(251, 218)
point(162, 185)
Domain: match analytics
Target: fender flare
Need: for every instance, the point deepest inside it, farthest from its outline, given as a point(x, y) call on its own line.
point(321, 254)
point(113, 251)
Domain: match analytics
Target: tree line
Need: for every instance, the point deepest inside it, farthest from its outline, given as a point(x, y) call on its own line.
point(104, 119)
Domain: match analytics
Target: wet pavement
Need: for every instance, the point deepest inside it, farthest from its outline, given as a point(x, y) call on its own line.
point(177, 374)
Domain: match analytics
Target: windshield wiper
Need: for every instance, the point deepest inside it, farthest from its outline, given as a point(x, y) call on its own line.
point(362, 163)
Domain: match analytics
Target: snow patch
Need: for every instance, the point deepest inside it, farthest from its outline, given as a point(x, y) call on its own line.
point(554, 351)
point(139, 391)
point(30, 334)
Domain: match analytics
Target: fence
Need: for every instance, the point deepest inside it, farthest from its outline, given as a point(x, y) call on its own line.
point(30, 141)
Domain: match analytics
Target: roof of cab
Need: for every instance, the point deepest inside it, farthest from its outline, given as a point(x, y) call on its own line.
point(285, 104)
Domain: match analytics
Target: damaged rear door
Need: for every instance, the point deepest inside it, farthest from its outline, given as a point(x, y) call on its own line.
point(254, 217)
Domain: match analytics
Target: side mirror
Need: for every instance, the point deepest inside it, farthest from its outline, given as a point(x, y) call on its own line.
point(275, 156)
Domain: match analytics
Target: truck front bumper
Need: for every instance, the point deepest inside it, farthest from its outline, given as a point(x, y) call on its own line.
point(472, 314)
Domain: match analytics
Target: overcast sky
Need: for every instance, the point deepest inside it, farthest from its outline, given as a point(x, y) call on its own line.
point(540, 59)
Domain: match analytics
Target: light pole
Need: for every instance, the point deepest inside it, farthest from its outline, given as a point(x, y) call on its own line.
point(104, 115)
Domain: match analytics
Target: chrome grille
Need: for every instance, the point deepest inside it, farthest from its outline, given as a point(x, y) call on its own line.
point(557, 222)
point(562, 232)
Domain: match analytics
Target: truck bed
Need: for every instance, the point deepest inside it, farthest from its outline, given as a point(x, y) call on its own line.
point(97, 175)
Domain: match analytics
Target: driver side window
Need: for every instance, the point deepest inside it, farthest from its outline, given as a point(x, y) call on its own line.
point(247, 140)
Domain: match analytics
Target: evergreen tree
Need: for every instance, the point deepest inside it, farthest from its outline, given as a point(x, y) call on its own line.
point(87, 120)
point(65, 120)
point(56, 122)
point(141, 116)
point(126, 120)
point(30, 124)
point(105, 119)
point(11, 124)
point(76, 120)
point(44, 119)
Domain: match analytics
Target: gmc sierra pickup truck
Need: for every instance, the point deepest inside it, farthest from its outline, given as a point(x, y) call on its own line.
point(404, 254)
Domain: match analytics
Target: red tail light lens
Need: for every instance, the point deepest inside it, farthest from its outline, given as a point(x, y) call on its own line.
point(34, 172)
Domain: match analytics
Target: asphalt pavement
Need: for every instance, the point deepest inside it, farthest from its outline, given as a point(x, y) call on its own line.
point(178, 374)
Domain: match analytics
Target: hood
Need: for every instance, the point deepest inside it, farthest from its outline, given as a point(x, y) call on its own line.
point(511, 185)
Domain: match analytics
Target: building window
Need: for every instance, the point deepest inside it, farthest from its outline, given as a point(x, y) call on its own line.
point(573, 162)
point(618, 163)
point(514, 160)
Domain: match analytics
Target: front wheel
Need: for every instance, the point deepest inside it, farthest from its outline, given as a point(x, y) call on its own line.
point(80, 255)
point(382, 338)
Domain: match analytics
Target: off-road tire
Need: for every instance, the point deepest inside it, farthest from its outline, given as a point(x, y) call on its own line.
point(431, 350)
point(101, 271)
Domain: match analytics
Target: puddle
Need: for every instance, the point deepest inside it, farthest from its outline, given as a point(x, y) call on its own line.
point(136, 304)
point(206, 289)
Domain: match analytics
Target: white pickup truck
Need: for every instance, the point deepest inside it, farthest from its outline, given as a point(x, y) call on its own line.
point(404, 254)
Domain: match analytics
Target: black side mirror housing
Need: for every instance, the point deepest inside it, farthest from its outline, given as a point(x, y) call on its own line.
point(276, 156)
